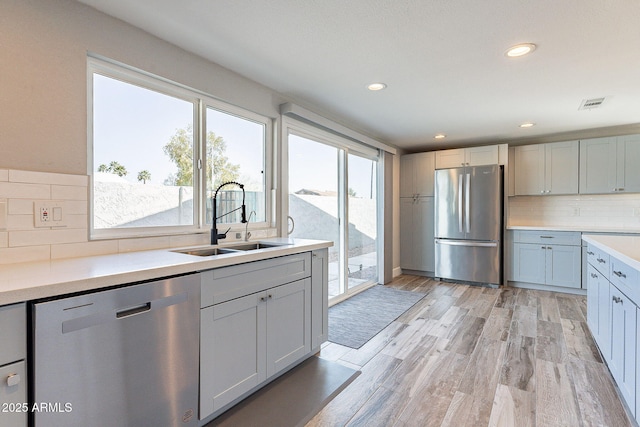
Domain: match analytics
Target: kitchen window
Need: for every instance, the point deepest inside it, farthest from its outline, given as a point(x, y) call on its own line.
point(158, 151)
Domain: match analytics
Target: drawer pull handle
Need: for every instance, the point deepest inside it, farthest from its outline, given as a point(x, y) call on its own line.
point(595, 276)
point(600, 260)
point(590, 253)
point(543, 247)
point(617, 300)
point(546, 237)
point(13, 380)
point(620, 274)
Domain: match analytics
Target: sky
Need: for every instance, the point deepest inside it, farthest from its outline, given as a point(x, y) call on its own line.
point(134, 132)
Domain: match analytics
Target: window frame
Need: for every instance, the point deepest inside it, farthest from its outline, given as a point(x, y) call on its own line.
point(200, 100)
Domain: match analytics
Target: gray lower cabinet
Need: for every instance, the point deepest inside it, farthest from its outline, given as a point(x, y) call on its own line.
point(598, 309)
point(246, 340)
point(319, 297)
point(13, 376)
point(545, 258)
point(614, 320)
point(622, 361)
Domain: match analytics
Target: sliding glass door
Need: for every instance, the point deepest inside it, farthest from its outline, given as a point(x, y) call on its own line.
point(332, 195)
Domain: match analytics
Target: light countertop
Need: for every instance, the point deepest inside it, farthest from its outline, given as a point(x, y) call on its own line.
point(580, 228)
point(624, 248)
point(34, 280)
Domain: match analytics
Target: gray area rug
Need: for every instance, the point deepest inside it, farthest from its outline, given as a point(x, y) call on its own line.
point(355, 321)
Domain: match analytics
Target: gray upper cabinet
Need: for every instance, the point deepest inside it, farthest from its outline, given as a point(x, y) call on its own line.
point(609, 165)
point(545, 169)
point(472, 156)
point(416, 174)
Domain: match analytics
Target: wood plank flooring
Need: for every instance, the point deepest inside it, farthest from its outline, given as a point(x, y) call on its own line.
point(473, 356)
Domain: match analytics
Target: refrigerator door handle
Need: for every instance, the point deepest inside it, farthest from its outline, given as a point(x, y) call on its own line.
point(466, 243)
point(467, 206)
point(460, 188)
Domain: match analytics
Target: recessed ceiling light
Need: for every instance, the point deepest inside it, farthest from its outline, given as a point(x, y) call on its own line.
point(376, 86)
point(527, 125)
point(440, 136)
point(520, 49)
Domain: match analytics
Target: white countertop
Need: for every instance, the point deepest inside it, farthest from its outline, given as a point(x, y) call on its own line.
point(33, 280)
point(580, 228)
point(624, 248)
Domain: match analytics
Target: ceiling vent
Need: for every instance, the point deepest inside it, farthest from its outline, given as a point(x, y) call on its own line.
point(590, 104)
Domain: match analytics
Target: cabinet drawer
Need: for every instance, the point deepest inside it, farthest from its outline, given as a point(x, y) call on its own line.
point(227, 283)
point(13, 333)
point(548, 237)
point(13, 398)
point(625, 278)
point(598, 259)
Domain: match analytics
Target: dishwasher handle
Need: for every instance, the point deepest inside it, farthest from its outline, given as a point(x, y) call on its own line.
point(133, 310)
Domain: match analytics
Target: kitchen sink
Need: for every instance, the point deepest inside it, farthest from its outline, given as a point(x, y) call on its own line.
point(207, 251)
point(230, 249)
point(253, 246)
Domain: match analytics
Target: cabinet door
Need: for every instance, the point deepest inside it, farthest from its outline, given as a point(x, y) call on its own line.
point(561, 168)
point(288, 324)
point(424, 173)
point(407, 250)
point(628, 178)
point(529, 170)
point(450, 158)
point(637, 359)
point(592, 302)
point(319, 297)
point(423, 234)
point(598, 165)
point(13, 396)
point(529, 263)
point(407, 175)
point(604, 316)
point(623, 344)
point(232, 350)
point(478, 156)
point(564, 266)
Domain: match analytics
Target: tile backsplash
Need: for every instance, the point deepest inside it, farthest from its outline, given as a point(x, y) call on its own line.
point(21, 241)
point(612, 211)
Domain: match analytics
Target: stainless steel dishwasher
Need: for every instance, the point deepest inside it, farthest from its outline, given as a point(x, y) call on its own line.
point(120, 357)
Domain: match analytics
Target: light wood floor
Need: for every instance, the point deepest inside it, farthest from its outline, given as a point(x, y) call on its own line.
point(473, 356)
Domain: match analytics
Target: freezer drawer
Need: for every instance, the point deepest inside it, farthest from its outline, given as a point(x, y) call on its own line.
point(469, 261)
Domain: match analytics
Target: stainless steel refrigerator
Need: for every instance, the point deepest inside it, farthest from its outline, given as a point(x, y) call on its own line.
point(468, 224)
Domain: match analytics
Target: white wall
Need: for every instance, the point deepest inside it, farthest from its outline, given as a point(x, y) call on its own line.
point(43, 107)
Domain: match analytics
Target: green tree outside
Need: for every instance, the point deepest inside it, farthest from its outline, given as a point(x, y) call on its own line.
point(144, 176)
point(114, 168)
point(180, 150)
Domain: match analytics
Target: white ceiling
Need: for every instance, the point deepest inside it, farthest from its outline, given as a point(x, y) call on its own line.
point(443, 60)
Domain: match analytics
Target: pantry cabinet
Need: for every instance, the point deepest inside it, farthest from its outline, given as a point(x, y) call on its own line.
point(417, 245)
point(610, 165)
point(546, 169)
point(417, 174)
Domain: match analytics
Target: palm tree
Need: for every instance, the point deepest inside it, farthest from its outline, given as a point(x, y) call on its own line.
point(144, 176)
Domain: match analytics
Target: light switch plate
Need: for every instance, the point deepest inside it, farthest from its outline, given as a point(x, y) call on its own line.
point(49, 213)
point(3, 215)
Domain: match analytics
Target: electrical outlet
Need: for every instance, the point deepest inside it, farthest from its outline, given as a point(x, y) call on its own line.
point(576, 211)
point(49, 213)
